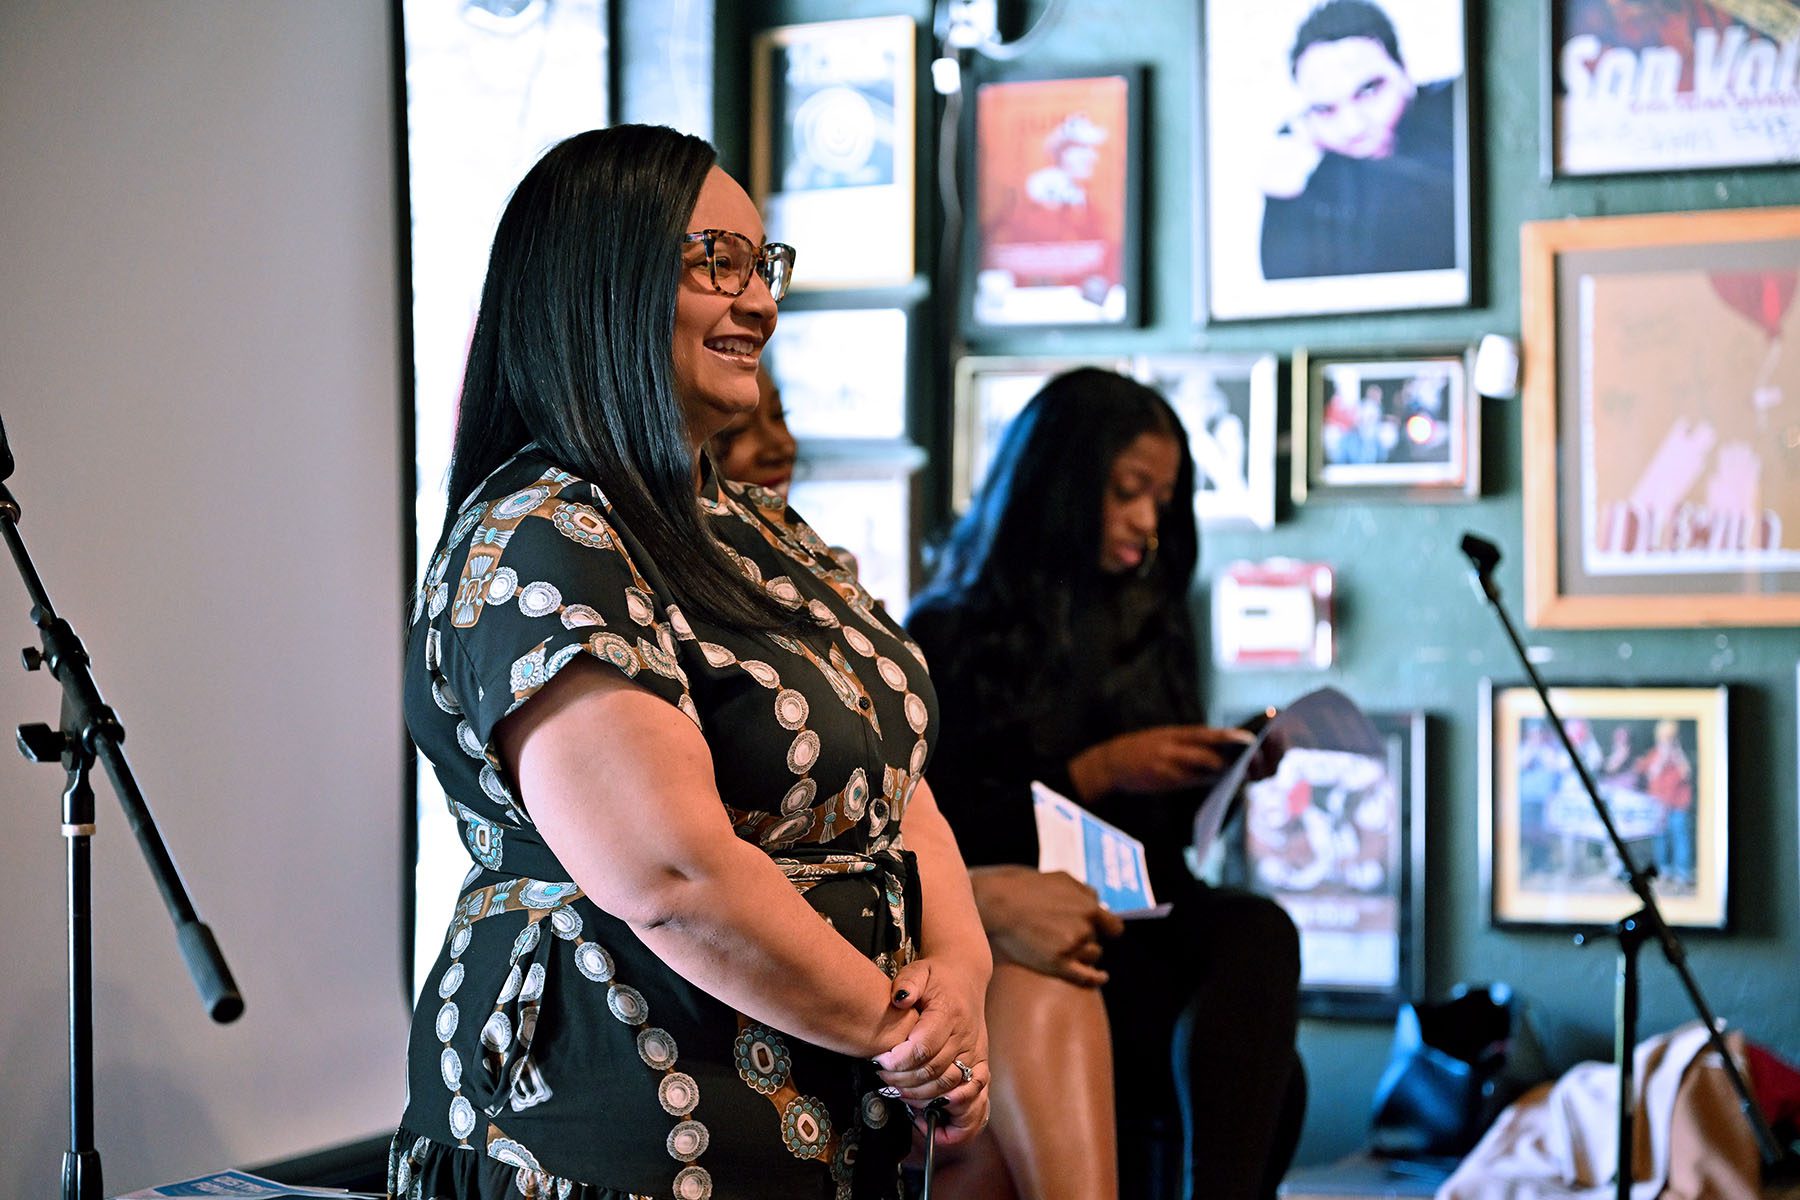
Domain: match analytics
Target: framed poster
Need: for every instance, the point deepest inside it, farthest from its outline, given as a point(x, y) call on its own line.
point(1057, 209)
point(1228, 405)
point(1337, 838)
point(1658, 758)
point(1336, 169)
point(831, 148)
point(842, 372)
point(1670, 85)
point(990, 392)
point(1662, 420)
point(1394, 423)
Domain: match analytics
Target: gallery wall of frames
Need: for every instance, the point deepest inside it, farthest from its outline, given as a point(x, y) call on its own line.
point(1548, 298)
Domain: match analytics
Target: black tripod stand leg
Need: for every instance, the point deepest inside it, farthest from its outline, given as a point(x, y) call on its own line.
point(1625, 1017)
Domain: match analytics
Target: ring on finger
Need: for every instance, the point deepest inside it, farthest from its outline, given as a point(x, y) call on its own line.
point(968, 1072)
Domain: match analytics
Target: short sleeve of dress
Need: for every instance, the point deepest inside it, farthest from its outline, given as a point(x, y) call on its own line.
point(548, 578)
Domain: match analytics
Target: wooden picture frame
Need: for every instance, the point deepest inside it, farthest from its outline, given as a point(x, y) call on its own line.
point(1658, 490)
point(1659, 758)
point(1323, 198)
point(1400, 424)
point(833, 139)
point(1054, 228)
point(1666, 91)
point(1337, 838)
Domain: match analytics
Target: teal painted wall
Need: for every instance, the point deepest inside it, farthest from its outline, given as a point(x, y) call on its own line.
point(1412, 635)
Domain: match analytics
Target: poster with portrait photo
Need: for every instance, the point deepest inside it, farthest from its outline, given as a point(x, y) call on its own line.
point(1671, 85)
point(1337, 157)
point(1055, 209)
point(832, 148)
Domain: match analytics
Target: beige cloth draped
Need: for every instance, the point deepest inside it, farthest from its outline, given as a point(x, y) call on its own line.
point(1689, 1139)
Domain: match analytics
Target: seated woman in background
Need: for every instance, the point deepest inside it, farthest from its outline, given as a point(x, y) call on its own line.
point(756, 446)
point(1059, 639)
point(715, 937)
point(1064, 1148)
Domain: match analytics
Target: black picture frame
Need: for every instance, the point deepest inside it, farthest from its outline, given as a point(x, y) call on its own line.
point(1382, 885)
point(1654, 66)
point(1246, 63)
point(1025, 102)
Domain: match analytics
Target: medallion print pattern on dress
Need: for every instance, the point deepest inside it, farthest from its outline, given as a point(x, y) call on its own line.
point(820, 736)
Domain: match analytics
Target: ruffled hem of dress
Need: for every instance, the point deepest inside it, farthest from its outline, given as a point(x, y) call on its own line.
point(420, 1168)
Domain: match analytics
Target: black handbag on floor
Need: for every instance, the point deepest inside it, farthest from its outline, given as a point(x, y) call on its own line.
point(1454, 1065)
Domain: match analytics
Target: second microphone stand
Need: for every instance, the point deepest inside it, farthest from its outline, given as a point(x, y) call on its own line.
point(1646, 924)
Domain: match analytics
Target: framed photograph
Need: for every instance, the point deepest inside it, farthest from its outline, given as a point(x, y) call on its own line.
point(1057, 212)
point(842, 372)
point(832, 144)
point(1675, 85)
point(1336, 169)
point(990, 392)
point(1228, 406)
point(1403, 424)
point(1273, 615)
point(868, 507)
point(1657, 755)
point(1337, 838)
point(1660, 420)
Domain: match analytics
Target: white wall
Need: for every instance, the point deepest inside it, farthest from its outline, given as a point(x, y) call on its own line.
point(199, 374)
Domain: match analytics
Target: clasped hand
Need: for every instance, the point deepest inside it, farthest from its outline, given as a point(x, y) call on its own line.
point(946, 1053)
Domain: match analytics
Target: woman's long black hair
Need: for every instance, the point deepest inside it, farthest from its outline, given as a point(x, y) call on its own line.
point(1023, 563)
point(572, 350)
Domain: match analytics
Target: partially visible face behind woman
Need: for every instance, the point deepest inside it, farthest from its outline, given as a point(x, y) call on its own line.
point(757, 448)
point(1140, 486)
point(719, 339)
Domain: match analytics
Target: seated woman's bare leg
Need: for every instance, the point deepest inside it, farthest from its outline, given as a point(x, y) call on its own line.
point(1052, 1113)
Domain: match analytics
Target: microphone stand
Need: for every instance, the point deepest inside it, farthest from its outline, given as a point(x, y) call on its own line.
point(89, 729)
point(1646, 924)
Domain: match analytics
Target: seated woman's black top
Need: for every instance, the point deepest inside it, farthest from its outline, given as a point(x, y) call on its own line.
point(553, 1054)
point(1019, 703)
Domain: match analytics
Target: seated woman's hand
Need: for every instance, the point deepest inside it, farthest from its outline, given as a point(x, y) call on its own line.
point(1048, 921)
point(1160, 759)
point(946, 1052)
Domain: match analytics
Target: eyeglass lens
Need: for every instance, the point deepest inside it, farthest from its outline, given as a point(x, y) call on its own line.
point(734, 259)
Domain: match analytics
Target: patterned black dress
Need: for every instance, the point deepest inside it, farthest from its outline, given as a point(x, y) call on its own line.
point(552, 1053)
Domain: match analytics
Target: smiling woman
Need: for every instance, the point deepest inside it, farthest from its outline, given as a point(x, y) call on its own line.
point(725, 308)
point(617, 668)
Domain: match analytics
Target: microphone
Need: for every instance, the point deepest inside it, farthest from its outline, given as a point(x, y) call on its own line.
point(1483, 556)
point(6, 458)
